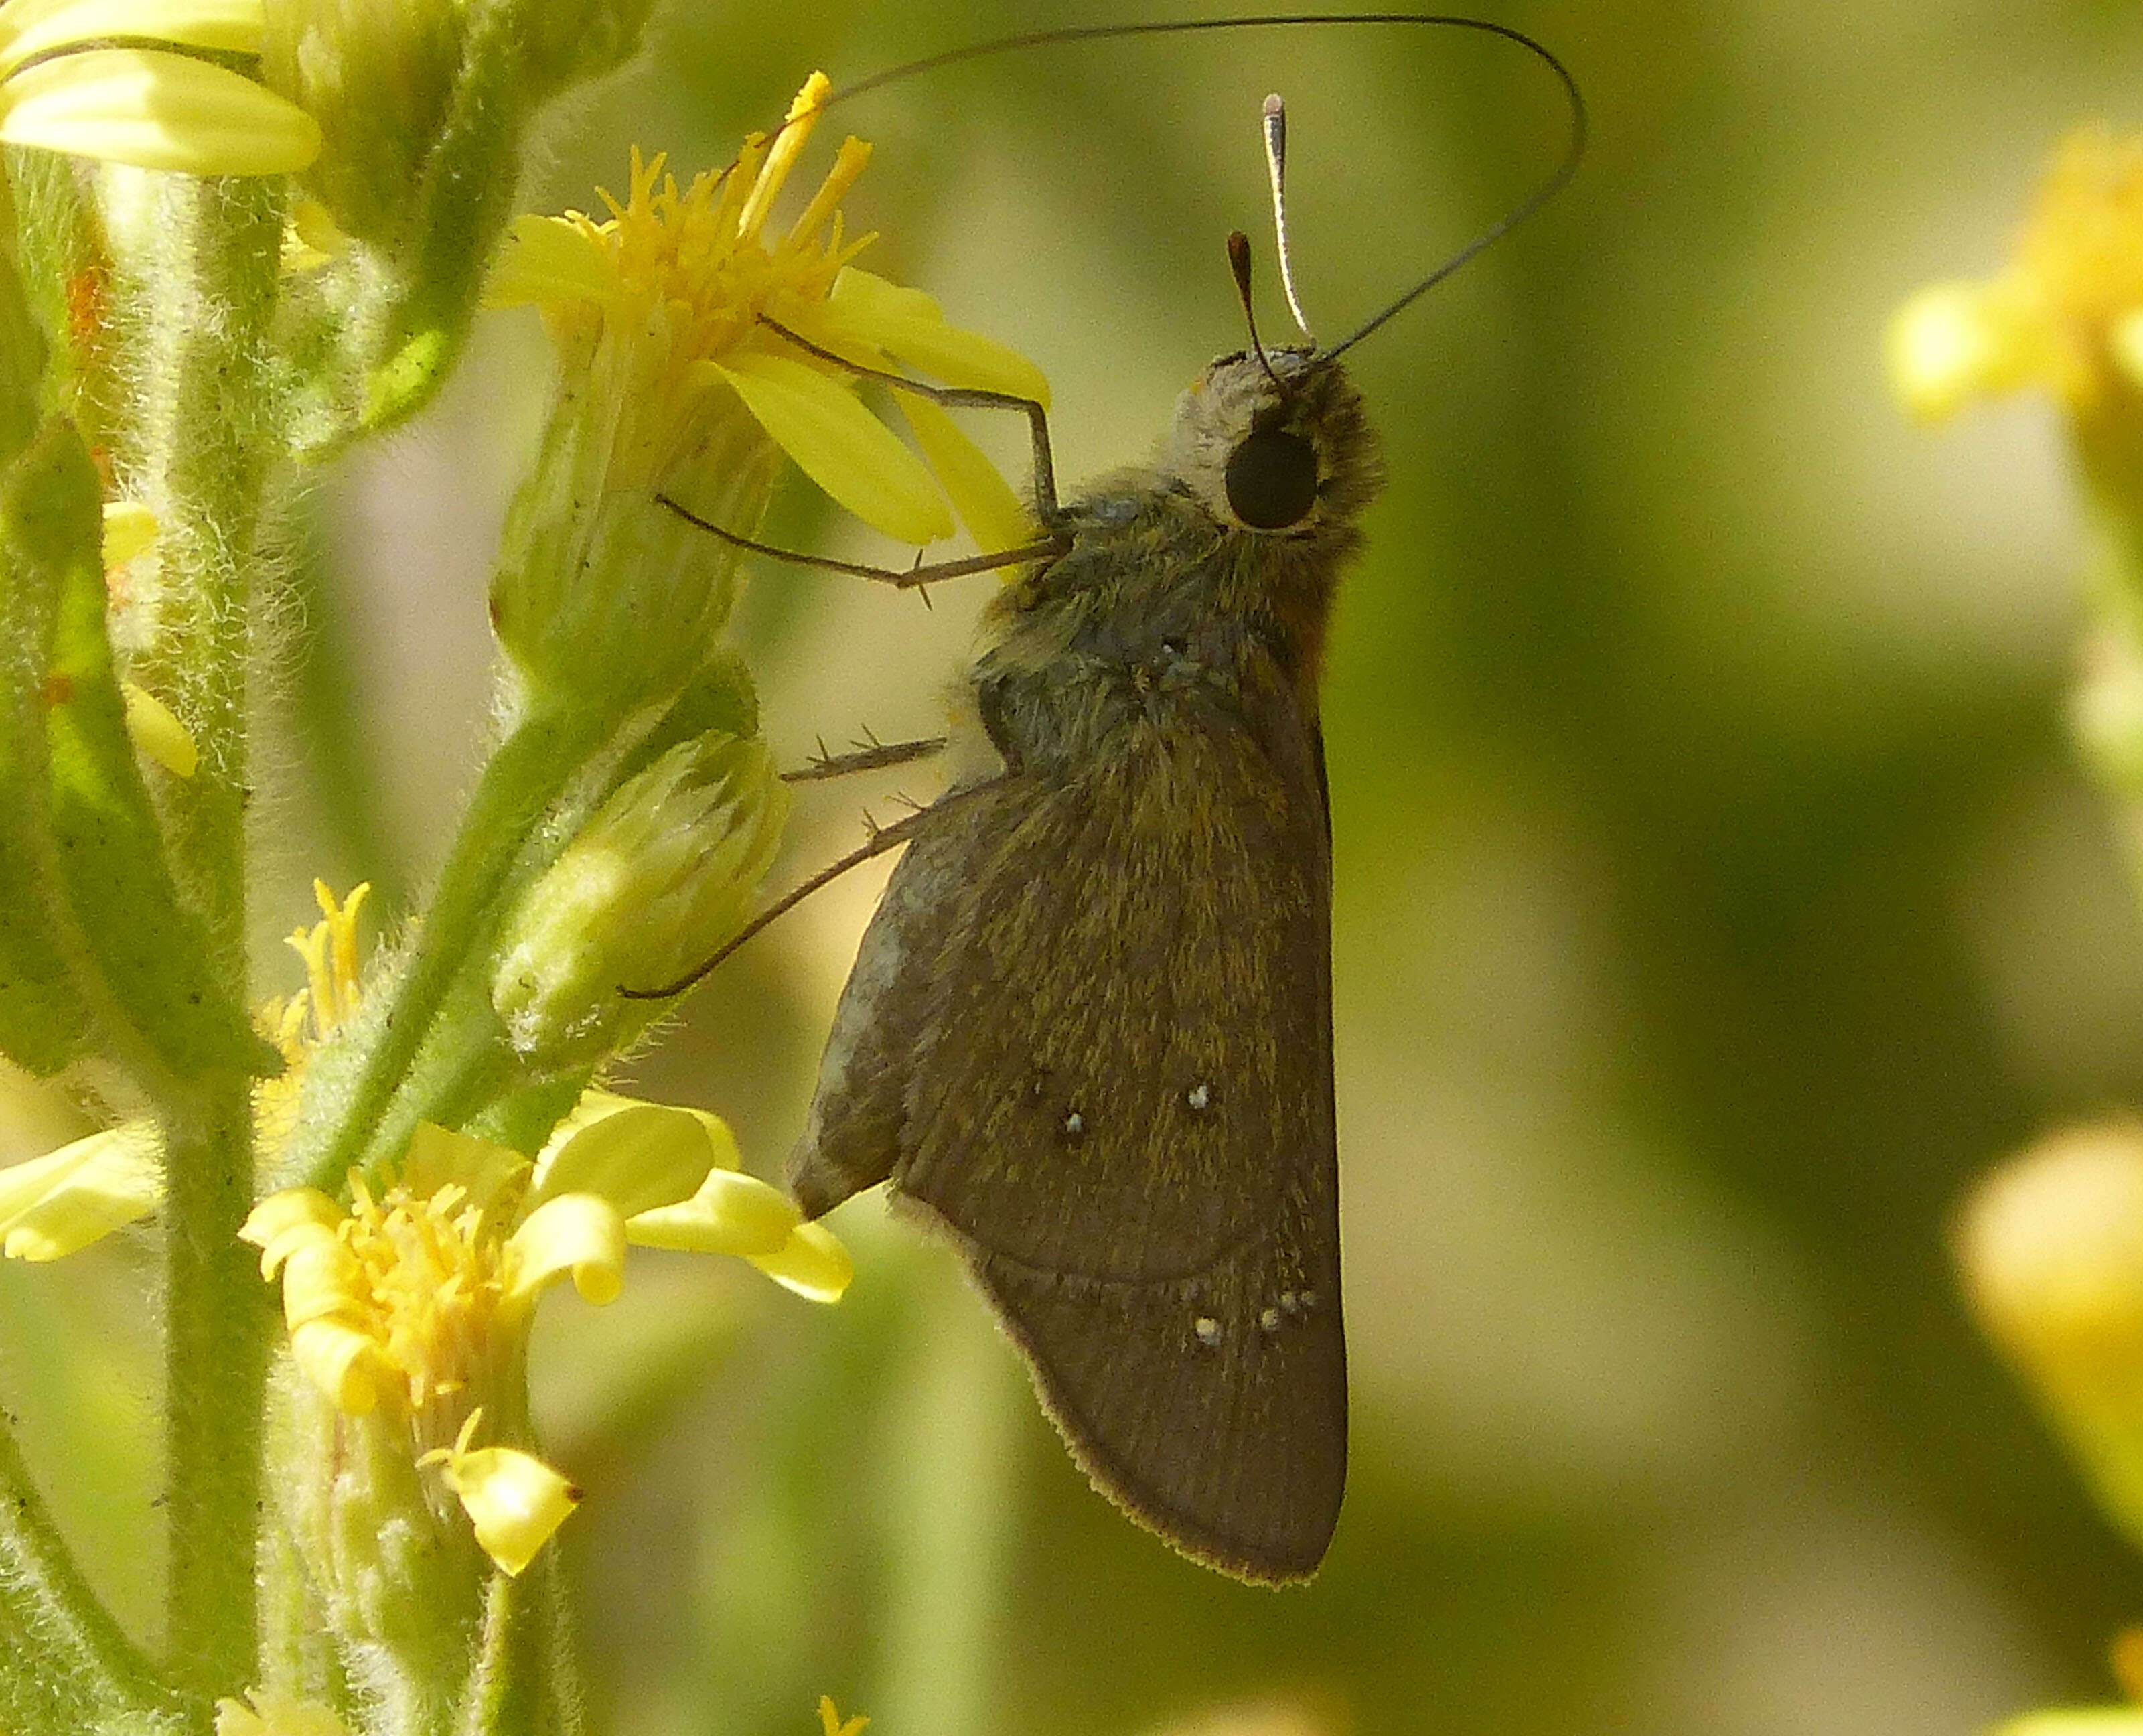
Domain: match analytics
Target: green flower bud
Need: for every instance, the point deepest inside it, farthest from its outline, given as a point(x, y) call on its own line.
point(657, 880)
point(603, 595)
point(424, 106)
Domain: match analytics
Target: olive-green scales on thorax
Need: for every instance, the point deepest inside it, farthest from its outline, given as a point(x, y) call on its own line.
point(1167, 598)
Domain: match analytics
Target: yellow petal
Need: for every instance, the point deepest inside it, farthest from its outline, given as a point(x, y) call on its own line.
point(830, 1719)
point(344, 1363)
point(812, 1262)
point(637, 1155)
point(848, 163)
point(549, 260)
point(311, 237)
point(910, 326)
point(2075, 1721)
point(839, 445)
point(731, 1213)
point(513, 1500)
point(322, 1279)
point(129, 528)
point(582, 1233)
point(984, 500)
point(52, 1206)
point(156, 111)
point(38, 27)
point(437, 1157)
point(157, 731)
point(294, 1212)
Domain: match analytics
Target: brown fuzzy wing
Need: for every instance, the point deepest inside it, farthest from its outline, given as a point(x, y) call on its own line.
point(1118, 1099)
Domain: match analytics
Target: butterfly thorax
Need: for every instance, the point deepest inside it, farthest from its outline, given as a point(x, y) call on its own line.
point(1167, 600)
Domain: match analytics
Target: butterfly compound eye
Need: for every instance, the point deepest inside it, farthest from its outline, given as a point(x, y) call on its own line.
point(1272, 479)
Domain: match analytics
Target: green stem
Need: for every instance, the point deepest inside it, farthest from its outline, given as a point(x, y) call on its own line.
point(64, 1663)
point(218, 1319)
point(207, 430)
point(523, 1682)
point(349, 1088)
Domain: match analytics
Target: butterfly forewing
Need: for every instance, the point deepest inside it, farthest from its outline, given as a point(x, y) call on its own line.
point(1117, 1098)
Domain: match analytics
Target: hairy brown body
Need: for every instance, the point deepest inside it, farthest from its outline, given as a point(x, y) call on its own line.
point(1088, 1032)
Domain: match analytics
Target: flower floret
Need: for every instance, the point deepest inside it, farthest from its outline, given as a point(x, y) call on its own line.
point(515, 1501)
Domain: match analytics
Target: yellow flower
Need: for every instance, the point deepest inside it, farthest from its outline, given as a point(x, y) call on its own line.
point(58, 1203)
point(299, 1025)
point(415, 1301)
point(690, 280)
point(2066, 314)
point(63, 87)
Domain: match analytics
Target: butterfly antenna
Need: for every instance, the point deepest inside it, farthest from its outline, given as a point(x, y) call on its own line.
point(1239, 262)
point(1573, 154)
point(1070, 35)
point(1275, 130)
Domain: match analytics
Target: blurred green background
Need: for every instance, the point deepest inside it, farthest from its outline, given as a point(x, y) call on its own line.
point(1716, 896)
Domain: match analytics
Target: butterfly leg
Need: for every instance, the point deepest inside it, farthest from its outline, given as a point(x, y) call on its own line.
point(873, 756)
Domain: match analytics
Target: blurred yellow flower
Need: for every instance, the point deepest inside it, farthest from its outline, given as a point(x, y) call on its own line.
point(2050, 1247)
point(51, 1206)
point(2066, 314)
point(687, 282)
point(65, 85)
point(58, 1203)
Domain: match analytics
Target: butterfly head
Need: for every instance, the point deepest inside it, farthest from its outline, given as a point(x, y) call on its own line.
point(1277, 445)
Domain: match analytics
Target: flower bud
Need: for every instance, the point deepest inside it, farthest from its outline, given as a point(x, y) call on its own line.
point(384, 1542)
point(657, 880)
point(2050, 1247)
point(603, 594)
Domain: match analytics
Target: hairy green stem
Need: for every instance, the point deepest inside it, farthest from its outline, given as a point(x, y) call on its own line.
point(522, 1681)
point(205, 434)
point(349, 1089)
point(64, 1663)
point(218, 1321)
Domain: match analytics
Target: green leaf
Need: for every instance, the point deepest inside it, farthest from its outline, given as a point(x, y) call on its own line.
point(132, 928)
